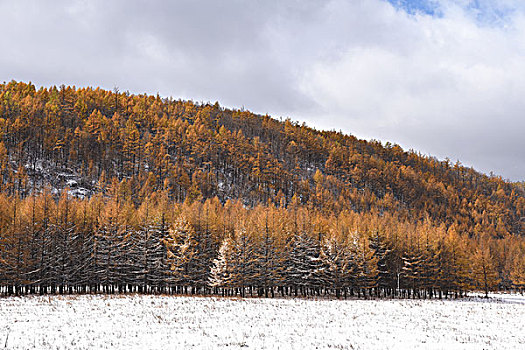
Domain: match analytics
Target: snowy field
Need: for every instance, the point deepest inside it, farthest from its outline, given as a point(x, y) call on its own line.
point(163, 322)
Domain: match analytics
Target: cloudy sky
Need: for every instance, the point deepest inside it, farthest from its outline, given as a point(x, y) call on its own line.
point(444, 77)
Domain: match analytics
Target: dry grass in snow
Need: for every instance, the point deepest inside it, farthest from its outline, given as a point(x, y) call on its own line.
point(167, 322)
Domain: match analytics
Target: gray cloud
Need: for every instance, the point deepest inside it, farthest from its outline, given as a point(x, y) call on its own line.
point(449, 86)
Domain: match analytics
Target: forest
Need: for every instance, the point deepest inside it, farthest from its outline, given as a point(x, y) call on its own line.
point(106, 191)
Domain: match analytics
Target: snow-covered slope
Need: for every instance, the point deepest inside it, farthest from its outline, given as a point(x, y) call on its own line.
point(162, 322)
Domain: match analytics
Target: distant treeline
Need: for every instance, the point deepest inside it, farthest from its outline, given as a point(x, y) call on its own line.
point(107, 244)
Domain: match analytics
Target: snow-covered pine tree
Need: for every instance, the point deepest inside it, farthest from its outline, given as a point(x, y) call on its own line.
point(268, 256)
point(337, 269)
point(12, 256)
point(142, 255)
point(382, 254)
point(429, 264)
point(69, 245)
point(55, 256)
point(206, 252)
point(151, 256)
point(365, 264)
point(158, 258)
point(128, 269)
point(84, 255)
point(32, 225)
point(303, 262)
point(112, 242)
point(184, 253)
point(411, 271)
point(221, 271)
point(45, 241)
point(243, 261)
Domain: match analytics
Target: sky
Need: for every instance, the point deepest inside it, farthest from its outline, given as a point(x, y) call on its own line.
point(443, 77)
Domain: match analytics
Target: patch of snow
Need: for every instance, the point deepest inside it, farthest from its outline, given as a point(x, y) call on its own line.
point(168, 322)
point(65, 175)
point(79, 192)
point(71, 183)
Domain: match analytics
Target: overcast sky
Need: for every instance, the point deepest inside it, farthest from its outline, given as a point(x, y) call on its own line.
point(444, 77)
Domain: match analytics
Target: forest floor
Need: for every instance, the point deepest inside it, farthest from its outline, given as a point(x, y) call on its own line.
point(168, 322)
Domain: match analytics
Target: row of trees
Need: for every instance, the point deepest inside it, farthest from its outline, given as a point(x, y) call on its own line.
point(107, 244)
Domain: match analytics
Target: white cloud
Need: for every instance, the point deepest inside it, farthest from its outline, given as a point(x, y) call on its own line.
point(444, 85)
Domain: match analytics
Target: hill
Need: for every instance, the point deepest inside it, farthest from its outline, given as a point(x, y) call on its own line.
point(116, 150)
point(83, 138)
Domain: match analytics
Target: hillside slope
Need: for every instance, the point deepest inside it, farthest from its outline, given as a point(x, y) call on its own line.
point(108, 192)
point(87, 138)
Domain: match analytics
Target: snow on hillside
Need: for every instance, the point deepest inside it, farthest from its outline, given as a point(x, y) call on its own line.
point(164, 322)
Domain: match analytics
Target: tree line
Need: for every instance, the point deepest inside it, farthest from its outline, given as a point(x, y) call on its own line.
point(106, 191)
point(106, 244)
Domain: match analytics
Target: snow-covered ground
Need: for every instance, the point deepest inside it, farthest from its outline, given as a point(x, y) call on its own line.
point(164, 322)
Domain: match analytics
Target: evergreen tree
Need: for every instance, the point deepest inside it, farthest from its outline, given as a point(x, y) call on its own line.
point(337, 268)
point(382, 254)
point(365, 263)
point(412, 269)
point(182, 250)
point(303, 262)
point(243, 261)
point(221, 271)
point(518, 272)
point(484, 274)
